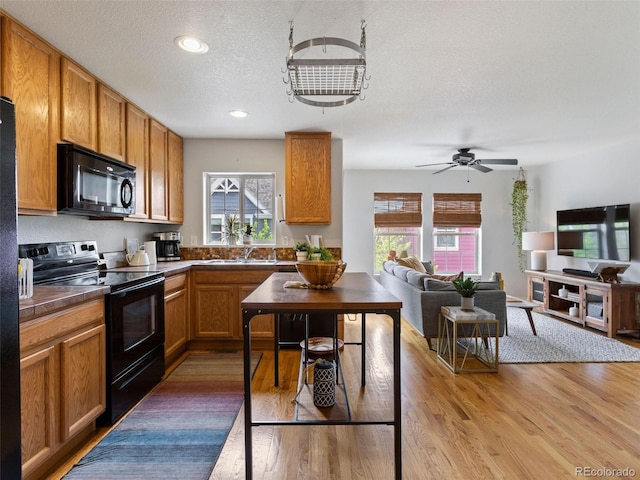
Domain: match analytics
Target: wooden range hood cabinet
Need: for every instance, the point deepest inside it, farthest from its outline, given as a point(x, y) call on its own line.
point(308, 177)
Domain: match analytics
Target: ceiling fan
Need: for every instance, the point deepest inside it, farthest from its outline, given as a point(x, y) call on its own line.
point(464, 158)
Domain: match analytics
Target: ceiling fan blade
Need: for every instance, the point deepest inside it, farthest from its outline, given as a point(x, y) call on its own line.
point(480, 168)
point(432, 164)
point(498, 161)
point(447, 168)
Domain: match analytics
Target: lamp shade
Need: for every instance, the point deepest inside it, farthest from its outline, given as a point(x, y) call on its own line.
point(537, 241)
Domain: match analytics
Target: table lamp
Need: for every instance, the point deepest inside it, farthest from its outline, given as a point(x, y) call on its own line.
point(538, 243)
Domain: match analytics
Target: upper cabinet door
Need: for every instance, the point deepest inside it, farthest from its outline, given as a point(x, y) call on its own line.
point(31, 79)
point(308, 178)
point(111, 115)
point(78, 105)
point(138, 156)
point(158, 170)
point(175, 178)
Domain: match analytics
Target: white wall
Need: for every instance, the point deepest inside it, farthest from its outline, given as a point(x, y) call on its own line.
point(499, 253)
point(109, 234)
point(209, 155)
point(606, 176)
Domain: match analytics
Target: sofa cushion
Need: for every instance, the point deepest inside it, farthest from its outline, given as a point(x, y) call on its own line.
point(412, 262)
point(388, 266)
point(401, 272)
point(433, 284)
point(416, 278)
point(447, 278)
point(488, 285)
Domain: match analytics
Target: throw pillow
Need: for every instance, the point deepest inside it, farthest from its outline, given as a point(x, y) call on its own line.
point(412, 262)
point(447, 278)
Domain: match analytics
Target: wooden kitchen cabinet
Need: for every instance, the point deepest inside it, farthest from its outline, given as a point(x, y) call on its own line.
point(137, 135)
point(308, 178)
point(30, 77)
point(39, 407)
point(62, 381)
point(175, 177)
point(158, 191)
point(111, 123)
point(216, 311)
point(78, 105)
point(176, 316)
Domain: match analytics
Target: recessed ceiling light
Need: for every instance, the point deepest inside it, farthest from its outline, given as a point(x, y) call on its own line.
point(238, 113)
point(191, 44)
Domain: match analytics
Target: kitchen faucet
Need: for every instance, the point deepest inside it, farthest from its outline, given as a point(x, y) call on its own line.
point(247, 252)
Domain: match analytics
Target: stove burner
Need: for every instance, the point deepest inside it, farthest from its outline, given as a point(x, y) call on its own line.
point(75, 264)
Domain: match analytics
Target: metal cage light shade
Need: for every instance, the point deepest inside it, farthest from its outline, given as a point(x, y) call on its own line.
point(327, 78)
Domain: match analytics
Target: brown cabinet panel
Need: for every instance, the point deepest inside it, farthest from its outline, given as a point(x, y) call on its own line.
point(62, 381)
point(38, 392)
point(30, 77)
point(175, 177)
point(78, 119)
point(83, 380)
point(216, 311)
point(137, 128)
point(308, 178)
point(176, 316)
point(158, 170)
point(111, 123)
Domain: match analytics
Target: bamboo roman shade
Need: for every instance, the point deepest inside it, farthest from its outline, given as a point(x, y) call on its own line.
point(457, 210)
point(397, 209)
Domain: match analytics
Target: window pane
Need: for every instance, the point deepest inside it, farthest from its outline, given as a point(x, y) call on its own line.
point(456, 250)
point(248, 198)
point(258, 207)
point(398, 239)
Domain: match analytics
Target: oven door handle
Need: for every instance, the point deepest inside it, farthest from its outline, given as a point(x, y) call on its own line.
point(125, 291)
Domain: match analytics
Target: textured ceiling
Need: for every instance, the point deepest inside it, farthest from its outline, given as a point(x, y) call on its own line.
point(537, 81)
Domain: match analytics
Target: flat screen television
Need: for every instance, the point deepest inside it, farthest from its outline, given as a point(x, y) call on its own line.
point(597, 232)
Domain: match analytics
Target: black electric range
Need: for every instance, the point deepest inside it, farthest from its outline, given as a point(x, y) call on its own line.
point(77, 264)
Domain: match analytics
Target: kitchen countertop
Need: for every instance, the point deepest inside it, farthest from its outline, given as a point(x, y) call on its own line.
point(50, 298)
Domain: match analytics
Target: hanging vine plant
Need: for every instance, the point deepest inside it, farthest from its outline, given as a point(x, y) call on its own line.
point(519, 197)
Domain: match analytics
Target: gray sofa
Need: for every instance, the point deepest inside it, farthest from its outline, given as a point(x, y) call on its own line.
point(422, 297)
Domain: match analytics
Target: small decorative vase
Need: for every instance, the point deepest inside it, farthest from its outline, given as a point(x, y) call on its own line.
point(467, 303)
point(563, 292)
point(573, 311)
point(232, 240)
point(316, 256)
point(301, 256)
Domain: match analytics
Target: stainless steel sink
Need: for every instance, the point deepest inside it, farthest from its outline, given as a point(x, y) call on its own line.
point(227, 261)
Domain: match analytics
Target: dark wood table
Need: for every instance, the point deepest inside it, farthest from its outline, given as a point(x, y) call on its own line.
point(353, 293)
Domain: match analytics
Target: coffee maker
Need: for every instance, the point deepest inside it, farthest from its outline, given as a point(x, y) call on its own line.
point(167, 246)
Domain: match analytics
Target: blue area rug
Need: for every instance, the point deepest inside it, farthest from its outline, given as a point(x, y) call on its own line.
point(178, 430)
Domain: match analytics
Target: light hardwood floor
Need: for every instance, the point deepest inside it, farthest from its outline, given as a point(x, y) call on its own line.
point(525, 422)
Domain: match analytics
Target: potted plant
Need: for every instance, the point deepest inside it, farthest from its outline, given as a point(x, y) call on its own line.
point(519, 197)
point(466, 287)
point(231, 230)
point(302, 251)
point(320, 253)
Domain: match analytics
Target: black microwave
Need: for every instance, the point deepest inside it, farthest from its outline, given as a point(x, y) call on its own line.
point(94, 185)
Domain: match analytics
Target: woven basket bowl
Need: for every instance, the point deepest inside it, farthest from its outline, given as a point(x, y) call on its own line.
point(320, 274)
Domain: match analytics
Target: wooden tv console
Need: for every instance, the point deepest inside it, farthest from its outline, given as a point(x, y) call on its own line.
point(610, 307)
